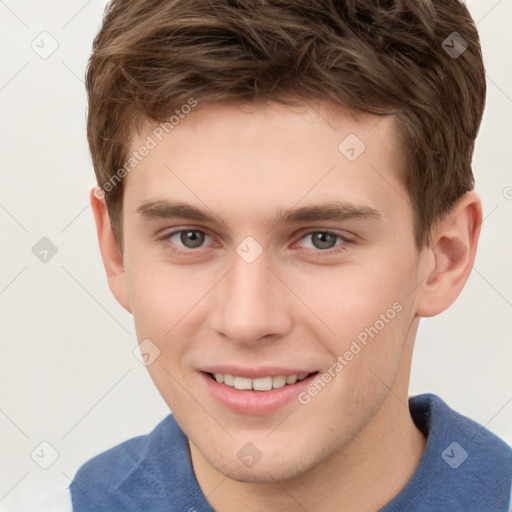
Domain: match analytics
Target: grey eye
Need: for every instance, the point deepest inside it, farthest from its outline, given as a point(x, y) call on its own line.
point(192, 239)
point(322, 240)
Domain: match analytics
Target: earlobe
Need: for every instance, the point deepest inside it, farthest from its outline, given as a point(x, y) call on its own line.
point(453, 249)
point(110, 252)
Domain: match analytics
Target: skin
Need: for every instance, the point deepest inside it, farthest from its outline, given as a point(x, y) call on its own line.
point(296, 305)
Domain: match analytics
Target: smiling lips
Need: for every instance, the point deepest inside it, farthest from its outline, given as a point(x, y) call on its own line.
point(255, 391)
point(258, 384)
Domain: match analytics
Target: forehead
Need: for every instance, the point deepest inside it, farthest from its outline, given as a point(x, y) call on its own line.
point(260, 158)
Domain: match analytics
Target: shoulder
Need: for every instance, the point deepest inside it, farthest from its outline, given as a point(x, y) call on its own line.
point(441, 423)
point(148, 472)
point(464, 466)
point(106, 471)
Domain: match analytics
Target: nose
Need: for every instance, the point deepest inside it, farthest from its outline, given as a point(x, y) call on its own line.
point(251, 304)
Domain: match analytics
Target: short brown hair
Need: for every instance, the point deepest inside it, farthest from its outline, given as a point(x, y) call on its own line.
point(383, 57)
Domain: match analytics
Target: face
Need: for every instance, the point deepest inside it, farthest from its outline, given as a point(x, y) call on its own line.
point(265, 247)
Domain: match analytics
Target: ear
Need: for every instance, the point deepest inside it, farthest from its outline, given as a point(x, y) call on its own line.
point(110, 253)
point(453, 249)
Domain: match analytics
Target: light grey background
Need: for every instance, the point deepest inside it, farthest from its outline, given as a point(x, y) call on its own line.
point(68, 374)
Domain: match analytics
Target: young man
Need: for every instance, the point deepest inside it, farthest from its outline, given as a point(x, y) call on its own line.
point(285, 189)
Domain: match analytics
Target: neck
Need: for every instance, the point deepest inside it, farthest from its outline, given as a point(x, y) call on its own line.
point(364, 476)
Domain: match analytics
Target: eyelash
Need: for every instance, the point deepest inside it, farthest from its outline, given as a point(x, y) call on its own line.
point(316, 252)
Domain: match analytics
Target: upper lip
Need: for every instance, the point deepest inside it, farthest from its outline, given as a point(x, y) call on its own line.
point(255, 373)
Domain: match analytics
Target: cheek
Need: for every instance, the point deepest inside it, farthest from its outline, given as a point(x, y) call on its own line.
point(152, 305)
point(350, 300)
point(372, 352)
point(160, 303)
point(368, 311)
point(160, 295)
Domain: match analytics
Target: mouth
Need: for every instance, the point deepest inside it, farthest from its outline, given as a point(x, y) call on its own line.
point(257, 395)
point(259, 384)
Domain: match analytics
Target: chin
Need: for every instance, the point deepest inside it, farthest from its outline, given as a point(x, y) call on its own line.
point(268, 470)
point(263, 474)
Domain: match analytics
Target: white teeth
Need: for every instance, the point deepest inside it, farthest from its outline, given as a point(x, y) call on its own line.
point(243, 383)
point(262, 384)
point(259, 384)
point(279, 382)
point(291, 379)
point(229, 380)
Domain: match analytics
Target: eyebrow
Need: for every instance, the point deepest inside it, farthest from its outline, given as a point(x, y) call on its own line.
point(333, 211)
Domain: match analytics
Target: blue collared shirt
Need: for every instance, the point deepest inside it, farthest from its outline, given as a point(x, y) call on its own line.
point(464, 468)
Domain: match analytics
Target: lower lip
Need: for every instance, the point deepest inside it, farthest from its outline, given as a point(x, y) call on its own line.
point(254, 402)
